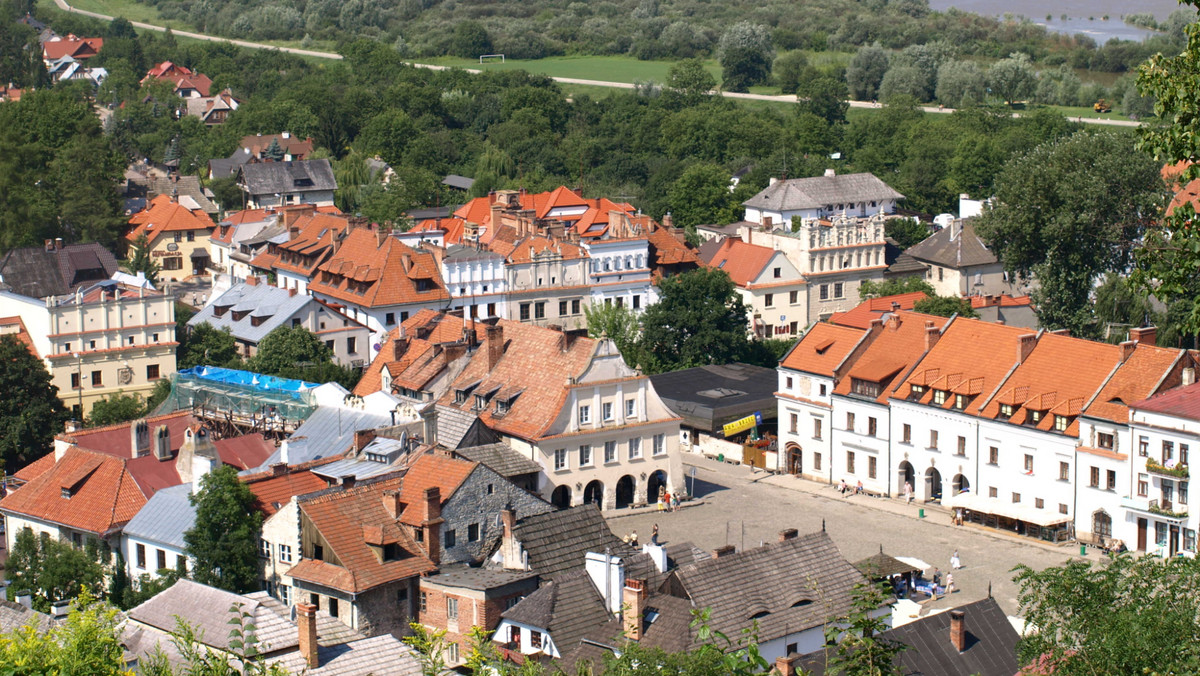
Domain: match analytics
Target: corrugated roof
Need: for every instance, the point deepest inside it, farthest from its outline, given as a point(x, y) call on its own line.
point(272, 306)
point(329, 432)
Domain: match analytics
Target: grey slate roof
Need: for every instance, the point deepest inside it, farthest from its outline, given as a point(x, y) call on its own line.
point(567, 608)
point(264, 178)
point(15, 616)
point(682, 554)
point(557, 542)
point(666, 624)
point(271, 305)
point(990, 650)
point(481, 579)
point(228, 167)
point(820, 191)
point(501, 459)
point(881, 565)
point(330, 630)
point(708, 397)
point(461, 252)
point(951, 249)
point(35, 272)
point(165, 517)
point(767, 584)
point(460, 182)
point(184, 185)
point(377, 656)
point(907, 266)
point(329, 431)
point(359, 468)
point(207, 609)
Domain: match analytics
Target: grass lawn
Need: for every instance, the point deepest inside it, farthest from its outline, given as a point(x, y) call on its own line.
point(128, 9)
point(607, 68)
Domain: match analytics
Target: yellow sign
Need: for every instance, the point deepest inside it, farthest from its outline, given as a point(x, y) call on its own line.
point(740, 425)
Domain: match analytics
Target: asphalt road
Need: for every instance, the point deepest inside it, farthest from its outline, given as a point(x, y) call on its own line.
point(746, 509)
point(785, 98)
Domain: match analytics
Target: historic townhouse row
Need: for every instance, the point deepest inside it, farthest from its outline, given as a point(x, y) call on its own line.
point(1025, 430)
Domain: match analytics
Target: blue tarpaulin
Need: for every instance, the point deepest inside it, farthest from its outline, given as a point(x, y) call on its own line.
point(256, 381)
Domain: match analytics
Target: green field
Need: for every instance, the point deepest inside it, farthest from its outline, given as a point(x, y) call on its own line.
point(607, 68)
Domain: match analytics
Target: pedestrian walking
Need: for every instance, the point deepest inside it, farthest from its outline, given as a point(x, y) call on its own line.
point(908, 496)
point(675, 502)
point(937, 577)
point(955, 562)
point(949, 583)
point(654, 535)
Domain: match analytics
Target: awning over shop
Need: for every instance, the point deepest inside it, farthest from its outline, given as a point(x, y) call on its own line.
point(978, 503)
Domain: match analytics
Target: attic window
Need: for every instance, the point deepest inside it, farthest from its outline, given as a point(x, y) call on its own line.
point(424, 285)
point(759, 615)
point(801, 603)
point(220, 310)
point(1061, 422)
point(66, 492)
point(1034, 417)
point(939, 397)
point(460, 395)
point(865, 388)
point(392, 552)
point(960, 401)
point(721, 265)
point(1006, 411)
point(917, 392)
point(237, 316)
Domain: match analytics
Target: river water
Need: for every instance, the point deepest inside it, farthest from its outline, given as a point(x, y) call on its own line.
point(1082, 16)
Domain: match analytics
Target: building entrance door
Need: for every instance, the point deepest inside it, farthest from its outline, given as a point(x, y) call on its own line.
point(1141, 543)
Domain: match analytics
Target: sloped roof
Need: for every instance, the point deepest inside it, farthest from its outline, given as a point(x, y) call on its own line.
point(373, 270)
point(666, 623)
point(37, 272)
point(165, 517)
point(557, 542)
point(666, 249)
point(530, 353)
point(382, 655)
point(1188, 194)
point(178, 187)
point(15, 616)
point(860, 315)
point(415, 360)
point(328, 432)
point(271, 491)
point(820, 191)
point(164, 214)
point(537, 247)
point(265, 178)
point(956, 246)
point(316, 233)
point(761, 584)
point(822, 349)
point(207, 610)
point(881, 565)
point(182, 76)
point(741, 261)
point(567, 607)
point(501, 459)
point(707, 397)
point(341, 518)
point(431, 471)
point(16, 326)
point(1138, 377)
point(1181, 402)
point(296, 147)
point(266, 308)
point(79, 48)
point(84, 490)
point(898, 346)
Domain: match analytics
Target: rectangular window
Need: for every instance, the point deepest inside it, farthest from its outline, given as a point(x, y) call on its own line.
point(777, 273)
point(824, 292)
point(637, 302)
point(660, 444)
point(152, 372)
point(178, 237)
point(1104, 440)
point(285, 553)
point(535, 640)
point(264, 549)
point(1060, 423)
point(872, 426)
point(850, 422)
point(473, 532)
point(1062, 508)
point(992, 493)
point(962, 446)
point(1168, 450)
point(607, 410)
point(351, 345)
point(1064, 471)
point(1143, 485)
point(585, 414)
point(817, 461)
point(906, 434)
point(585, 455)
point(1016, 497)
point(769, 300)
point(793, 297)
point(333, 607)
point(75, 381)
point(562, 308)
point(1094, 477)
point(993, 455)
point(610, 451)
point(635, 448)
point(1039, 503)
point(97, 379)
point(451, 537)
point(933, 440)
point(630, 408)
point(560, 459)
point(424, 602)
point(1112, 480)
point(524, 312)
point(191, 236)
point(1143, 446)
point(451, 608)
point(141, 557)
point(872, 466)
point(1183, 492)
point(539, 310)
point(960, 402)
point(1183, 454)
point(850, 462)
point(162, 560)
point(1028, 464)
point(837, 290)
point(389, 318)
point(575, 306)
point(793, 422)
point(816, 428)
point(939, 397)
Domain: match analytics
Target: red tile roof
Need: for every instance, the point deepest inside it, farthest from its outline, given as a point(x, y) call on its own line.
point(413, 361)
point(1003, 300)
point(741, 261)
point(532, 248)
point(77, 48)
point(1181, 402)
point(299, 149)
point(431, 471)
point(530, 355)
point(314, 236)
point(860, 315)
point(16, 325)
point(373, 270)
point(345, 521)
point(84, 490)
point(272, 491)
point(592, 221)
point(246, 451)
point(667, 250)
point(899, 343)
point(182, 76)
point(822, 349)
point(164, 214)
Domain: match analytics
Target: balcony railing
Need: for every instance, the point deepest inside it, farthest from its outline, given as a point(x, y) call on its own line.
point(1179, 471)
point(1166, 508)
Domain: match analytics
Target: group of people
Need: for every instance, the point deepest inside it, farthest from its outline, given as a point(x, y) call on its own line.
point(667, 502)
point(845, 488)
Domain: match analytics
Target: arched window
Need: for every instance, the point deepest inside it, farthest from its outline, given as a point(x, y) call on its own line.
point(1102, 524)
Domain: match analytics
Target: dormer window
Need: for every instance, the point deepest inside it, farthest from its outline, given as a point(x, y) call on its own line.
point(1061, 422)
point(392, 552)
point(1006, 411)
point(220, 310)
point(1034, 417)
point(916, 392)
point(939, 397)
point(960, 401)
point(66, 493)
point(460, 395)
point(865, 388)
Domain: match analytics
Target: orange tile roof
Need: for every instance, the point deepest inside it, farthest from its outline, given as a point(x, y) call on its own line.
point(665, 249)
point(531, 248)
point(1139, 377)
point(898, 345)
point(299, 149)
point(77, 48)
point(369, 272)
point(741, 261)
point(272, 491)
point(316, 234)
point(345, 519)
point(1003, 300)
point(21, 332)
point(454, 228)
point(1058, 377)
point(102, 492)
point(182, 76)
point(164, 214)
point(530, 354)
point(973, 355)
point(429, 471)
point(822, 349)
point(860, 315)
point(413, 361)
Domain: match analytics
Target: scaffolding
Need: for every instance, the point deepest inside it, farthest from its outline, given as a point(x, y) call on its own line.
point(232, 402)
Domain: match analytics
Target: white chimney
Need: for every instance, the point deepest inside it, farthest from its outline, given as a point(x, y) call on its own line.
point(60, 609)
point(25, 598)
point(658, 554)
point(830, 173)
point(286, 134)
point(773, 181)
point(608, 576)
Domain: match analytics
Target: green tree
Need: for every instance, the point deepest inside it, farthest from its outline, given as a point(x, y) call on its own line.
point(141, 261)
point(894, 286)
point(1120, 304)
point(205, 345)
point(618, 323)
point(1013, 78)
point(352, 175)
point(87, 644)
point(701, 196)
point(429, 645)
point(244, 657)
point(287, 347)
point(823, 96)
point(50, 570)
point(471, 40)
point(162, 390)
point(117, 407)
point(691, 80)
point(1129, 615)
point(1167, 262)
point(791, 69)
point(1067, 212)
point(944, 306)
point(865, 72)
point(387, 135)
point(906, 231)
point(273, 151)
point(860, 649)
point(745, 54)
point(30, 412)
point(961, 83)
point(699, 319)
point(223, 543)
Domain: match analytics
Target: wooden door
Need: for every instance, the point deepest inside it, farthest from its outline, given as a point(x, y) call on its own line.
point(1141, 543)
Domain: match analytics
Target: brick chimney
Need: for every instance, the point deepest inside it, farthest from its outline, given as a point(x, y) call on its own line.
point(932, 333)
point(1145, 335)
point(292, 292)
point(509, 519)
point(391, 503)
point(139, 438)
point(668, 221)
point(723, 551)
point(958, 634)
point(1025, 345)
point(279, 469)
point(783, 666)
point(432, 524)
point(788, 534)
point(1127, 348)
point(252, 280)
point(306, 623)
point(362, 438)
point(495, 346)
point(635, 607)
